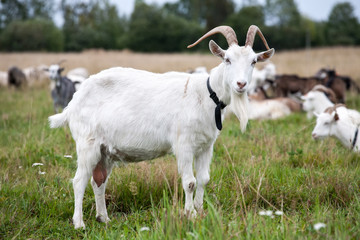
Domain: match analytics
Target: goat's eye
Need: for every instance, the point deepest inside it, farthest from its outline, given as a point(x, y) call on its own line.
point(227, 60)
point(253, 63)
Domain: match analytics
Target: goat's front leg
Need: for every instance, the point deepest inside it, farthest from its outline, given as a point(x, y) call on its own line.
point(101, 174)
point(185, 161)
point(202, 167)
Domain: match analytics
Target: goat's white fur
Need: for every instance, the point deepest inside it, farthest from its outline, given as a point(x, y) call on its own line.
point(342, 127)
point(259, 77)
point(145, 115)
point(315, 102)
point(3, 79)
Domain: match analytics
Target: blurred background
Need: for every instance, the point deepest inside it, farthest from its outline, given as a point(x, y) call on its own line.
point(169, 26)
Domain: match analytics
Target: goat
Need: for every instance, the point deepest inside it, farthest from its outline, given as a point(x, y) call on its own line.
point(129, 115)
point(16, 77)
point(36, 75)
point(317, 100)
point(3, 79)
point(198, 70)
point(62, 88)
point(260, 77)
point(290, 84)
point(261, 107)
point(78, 75)
point(339, 84)
point(340, 122)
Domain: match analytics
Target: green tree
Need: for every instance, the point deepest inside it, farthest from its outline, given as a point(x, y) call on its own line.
point(152, 29)
point(95, 24)
point(31, 35)
point(343, 27)
point(12, 10)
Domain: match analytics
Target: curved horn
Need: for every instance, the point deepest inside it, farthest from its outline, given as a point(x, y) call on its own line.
point(250, 37)
point(227, 31)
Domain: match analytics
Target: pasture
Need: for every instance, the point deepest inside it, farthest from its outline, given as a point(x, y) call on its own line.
point(274, 165)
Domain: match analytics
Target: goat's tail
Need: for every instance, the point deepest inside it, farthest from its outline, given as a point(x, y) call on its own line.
point(58, 120)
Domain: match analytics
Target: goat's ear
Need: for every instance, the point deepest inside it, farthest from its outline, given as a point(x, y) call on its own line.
point(61, 69)
point(263, 56)
point(216, 50)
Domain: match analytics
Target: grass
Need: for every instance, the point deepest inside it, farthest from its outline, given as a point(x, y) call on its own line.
point(274, 165)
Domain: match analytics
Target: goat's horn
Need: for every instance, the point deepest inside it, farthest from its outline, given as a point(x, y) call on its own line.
point(250, 37)
point(227, 31)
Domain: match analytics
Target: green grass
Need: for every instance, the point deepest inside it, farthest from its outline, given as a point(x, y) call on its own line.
point(274, 165)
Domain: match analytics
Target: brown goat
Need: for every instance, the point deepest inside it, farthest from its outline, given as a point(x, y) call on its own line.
point(288, 84)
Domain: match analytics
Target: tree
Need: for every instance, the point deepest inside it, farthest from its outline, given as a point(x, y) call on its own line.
point(209, 13)
point(12, 10)
point(152, 29)
point(95, 24)
point(282, 13)
point(31, 35)
point(343, 27)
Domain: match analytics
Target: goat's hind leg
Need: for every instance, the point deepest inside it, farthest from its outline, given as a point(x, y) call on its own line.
point(101, 174)
point(87, 158)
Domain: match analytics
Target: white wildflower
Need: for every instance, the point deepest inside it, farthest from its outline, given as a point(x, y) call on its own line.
point(37, 164)
point(41, 173)
point(318, 226)
point(269, 213)
point(279, 213)
point(67, 156)
point(262, 213)
point(20, 166)
point(144, 229)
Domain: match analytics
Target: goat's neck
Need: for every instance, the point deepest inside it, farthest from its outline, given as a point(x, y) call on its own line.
point(217, 83)
point(345, 133)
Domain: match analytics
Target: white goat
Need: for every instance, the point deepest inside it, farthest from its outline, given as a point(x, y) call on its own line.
point(259, 77)
point(129, 115)
point(36, 75)
point(269, 108)
point(78, 76)
point(3, 79)
point(316, 101)
point(340, 122)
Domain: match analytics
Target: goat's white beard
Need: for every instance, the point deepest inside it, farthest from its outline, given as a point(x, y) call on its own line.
point(239, 105)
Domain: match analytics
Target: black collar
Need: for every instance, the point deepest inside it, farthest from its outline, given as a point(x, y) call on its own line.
point(355, 138)
point(219, 105)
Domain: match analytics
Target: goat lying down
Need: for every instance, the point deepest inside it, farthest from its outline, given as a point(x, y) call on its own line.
point(128, 115)
point(340, 122)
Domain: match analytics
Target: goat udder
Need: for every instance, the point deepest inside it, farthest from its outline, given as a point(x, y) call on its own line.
point(99, 174)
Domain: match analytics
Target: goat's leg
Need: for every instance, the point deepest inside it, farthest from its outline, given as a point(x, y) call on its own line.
point(185, 161)
point(202, 167)
point(99, 189)
point(87, 159)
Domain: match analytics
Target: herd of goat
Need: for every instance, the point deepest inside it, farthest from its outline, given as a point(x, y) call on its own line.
point(130, 115)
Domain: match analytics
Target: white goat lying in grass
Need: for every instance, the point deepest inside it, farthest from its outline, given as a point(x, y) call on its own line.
point(317, 100)
point(272, 108)
point(129, 115)
point(340, 122)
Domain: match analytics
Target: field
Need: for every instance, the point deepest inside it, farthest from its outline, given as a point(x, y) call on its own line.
point(274, 165)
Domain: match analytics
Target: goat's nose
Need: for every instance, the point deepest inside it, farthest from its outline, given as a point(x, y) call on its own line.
point(241, 85)
point(313, 135)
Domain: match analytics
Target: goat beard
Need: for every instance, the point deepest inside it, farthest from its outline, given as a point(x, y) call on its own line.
point(239, 105)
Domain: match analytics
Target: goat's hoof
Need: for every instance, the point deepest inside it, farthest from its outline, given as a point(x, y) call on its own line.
point(79, 224)
point(190, 214)
point(102, 219)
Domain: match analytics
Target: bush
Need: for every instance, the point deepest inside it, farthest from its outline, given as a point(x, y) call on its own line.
point(31, 35)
